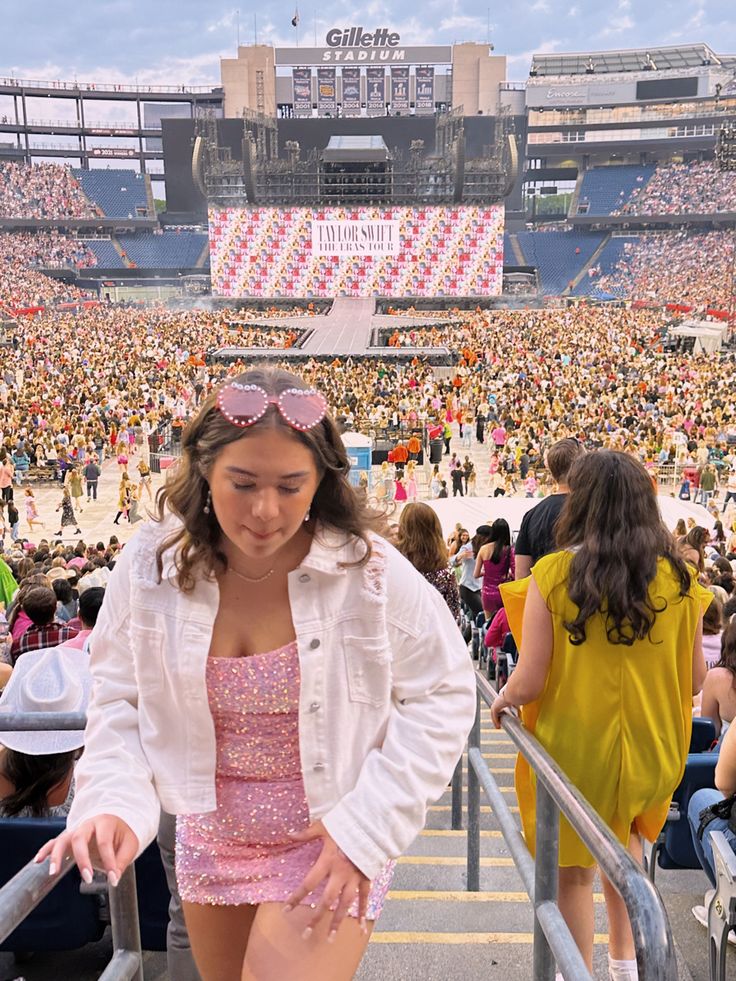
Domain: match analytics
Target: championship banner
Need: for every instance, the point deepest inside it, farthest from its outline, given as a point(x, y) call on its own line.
point(326, 92)
point(351, 91)
point(376, 85)
point(424, 101)
point(302, 82)
point(350, 237)
point(400, 89)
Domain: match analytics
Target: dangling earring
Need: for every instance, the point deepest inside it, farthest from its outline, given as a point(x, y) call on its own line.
point(306, 516)
point(208, 501)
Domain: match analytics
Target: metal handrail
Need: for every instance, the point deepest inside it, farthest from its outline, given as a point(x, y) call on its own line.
point(22, 894)
point(655, 952)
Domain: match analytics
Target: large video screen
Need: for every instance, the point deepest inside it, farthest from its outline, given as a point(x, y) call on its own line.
point(362, 251)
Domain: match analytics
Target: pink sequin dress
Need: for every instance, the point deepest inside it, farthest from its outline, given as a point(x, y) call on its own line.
point(241, 853)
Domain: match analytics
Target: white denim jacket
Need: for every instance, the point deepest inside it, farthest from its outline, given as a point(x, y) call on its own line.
point(386, 701)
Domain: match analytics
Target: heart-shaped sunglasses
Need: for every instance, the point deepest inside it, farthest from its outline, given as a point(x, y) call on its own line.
point(244, 405)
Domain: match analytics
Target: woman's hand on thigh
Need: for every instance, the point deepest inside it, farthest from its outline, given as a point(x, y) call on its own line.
point(343, 881)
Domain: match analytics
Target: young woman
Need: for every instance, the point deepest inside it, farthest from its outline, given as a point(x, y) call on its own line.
point(719, 688)
point(610, 657)
point(31, 510)
point(68, 518)
point(291, 655)
point(495, 564)
point(124, 496)
point(420, 539)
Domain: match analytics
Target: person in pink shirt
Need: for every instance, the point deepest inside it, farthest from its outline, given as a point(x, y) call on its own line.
point(90, 602)
point(6, 479)
point(499, 436)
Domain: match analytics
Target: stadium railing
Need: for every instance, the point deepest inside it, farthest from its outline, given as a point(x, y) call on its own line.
point(553, 942)
point(20, 896)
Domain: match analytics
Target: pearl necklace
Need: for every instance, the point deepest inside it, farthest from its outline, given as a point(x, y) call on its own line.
point(240, 575)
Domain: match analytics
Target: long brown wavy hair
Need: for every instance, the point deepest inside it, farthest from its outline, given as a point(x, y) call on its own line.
point(198, 542)
point(420, 538)
point(728, 650)
point(611, 520)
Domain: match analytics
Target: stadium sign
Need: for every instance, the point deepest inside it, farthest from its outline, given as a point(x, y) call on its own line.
point(356, 37)
point(355, 46)
point(351, 237)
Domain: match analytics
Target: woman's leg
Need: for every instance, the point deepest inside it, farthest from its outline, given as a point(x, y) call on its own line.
point(276, 950)
point(576, 905)
point(219, 936)
point(620, 937)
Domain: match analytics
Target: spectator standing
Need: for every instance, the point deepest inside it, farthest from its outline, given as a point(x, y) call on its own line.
point(610, 657)
point(719, 688)
point(92, 473)
point(494, 563)
point(6, 477)
point(421, 541)
point(537, 533)
point(13, 520)
point(456, 475)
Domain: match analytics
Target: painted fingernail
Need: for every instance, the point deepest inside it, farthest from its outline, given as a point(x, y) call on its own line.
point(87, 875)
point(52, 868)
point(331, 936)
point(113, 878)
point(307, 933)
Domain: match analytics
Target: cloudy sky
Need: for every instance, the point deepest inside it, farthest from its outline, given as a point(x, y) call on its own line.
point(181, 41)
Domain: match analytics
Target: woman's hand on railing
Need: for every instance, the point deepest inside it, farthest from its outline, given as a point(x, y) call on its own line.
point(499, 706)
point(104, 842)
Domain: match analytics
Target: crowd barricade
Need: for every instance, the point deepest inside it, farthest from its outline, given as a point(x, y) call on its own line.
point(553, 942)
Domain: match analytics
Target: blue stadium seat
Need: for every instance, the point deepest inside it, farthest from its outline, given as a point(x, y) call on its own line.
point(120, 193)
point(605, 189)
point(702, 736)
point(674, 848)
point(612, 253)
point(65, 919)
point(554, 255)
point(153, 898)
point(172, 250)
point(106, 253)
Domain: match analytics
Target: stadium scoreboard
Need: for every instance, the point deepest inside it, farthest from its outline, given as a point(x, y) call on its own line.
point(422, 251)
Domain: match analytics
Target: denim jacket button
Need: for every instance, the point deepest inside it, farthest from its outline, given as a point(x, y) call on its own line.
point(314, 644)
point(314, 707)
point(304, 577)
point(318, 767)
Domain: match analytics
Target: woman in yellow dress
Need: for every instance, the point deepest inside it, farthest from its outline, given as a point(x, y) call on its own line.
point(610, 657)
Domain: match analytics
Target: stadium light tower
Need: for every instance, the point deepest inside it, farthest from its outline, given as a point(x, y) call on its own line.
point(726, 162)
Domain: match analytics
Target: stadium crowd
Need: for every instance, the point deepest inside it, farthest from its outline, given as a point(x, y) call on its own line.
point(683, 188)
point(693, 269)
point(41, 191)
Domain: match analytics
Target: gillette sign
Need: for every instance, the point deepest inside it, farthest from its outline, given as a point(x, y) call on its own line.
point(356, 37)
point(355, 45)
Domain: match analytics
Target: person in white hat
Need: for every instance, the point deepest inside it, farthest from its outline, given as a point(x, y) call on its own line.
point(37, 768)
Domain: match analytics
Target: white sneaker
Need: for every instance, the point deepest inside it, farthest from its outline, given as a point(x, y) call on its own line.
point(701, 915)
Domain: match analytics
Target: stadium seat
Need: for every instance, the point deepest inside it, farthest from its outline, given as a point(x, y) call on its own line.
point(119, 193)
point(172, 250)
point(556, 257)
point(153, 898)
point(607, 261)
point(703, 735)
point(65, 919)
point(106, 253)
point(606, 189)
point(674, 847)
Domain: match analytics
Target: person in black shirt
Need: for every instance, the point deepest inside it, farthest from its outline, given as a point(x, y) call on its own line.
point(537, 533)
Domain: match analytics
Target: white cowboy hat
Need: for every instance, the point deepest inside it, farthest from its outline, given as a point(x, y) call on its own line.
point(54, 679)
point(59, 572)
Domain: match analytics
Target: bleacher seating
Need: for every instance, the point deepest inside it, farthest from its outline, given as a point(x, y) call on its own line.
point(119, 193)
point(605, 189)
point(509, 259)
point(606, 262)
point(555, 256)
point(172, 250)
point(107, 255)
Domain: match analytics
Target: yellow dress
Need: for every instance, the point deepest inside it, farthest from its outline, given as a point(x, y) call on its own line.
point(616, 719)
